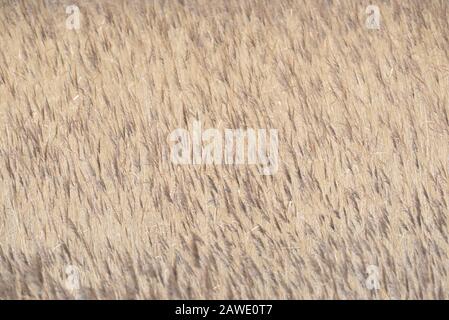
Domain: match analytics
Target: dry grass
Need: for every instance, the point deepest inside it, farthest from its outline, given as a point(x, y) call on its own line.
point(363, 119)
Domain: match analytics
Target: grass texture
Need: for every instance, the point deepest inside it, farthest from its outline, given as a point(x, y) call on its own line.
point(363, 120)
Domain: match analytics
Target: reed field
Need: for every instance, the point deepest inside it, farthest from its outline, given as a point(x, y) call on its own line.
point(91, 206)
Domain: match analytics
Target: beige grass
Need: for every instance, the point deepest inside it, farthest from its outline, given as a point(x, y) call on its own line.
point(363, 119)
